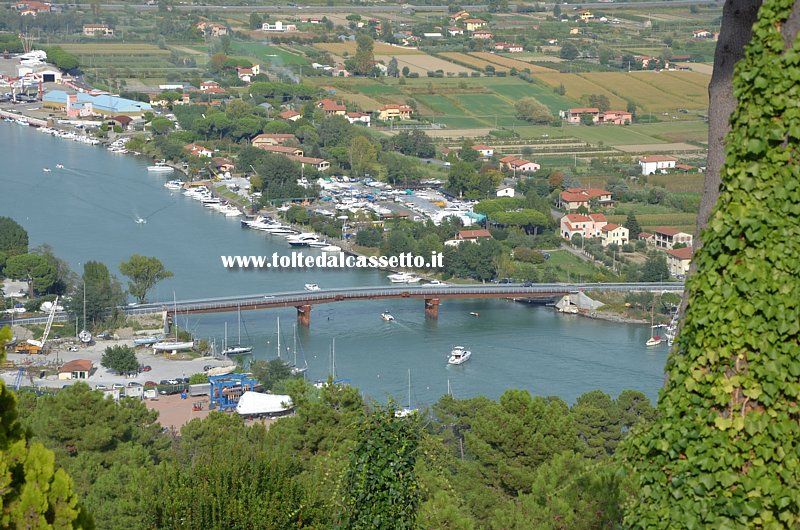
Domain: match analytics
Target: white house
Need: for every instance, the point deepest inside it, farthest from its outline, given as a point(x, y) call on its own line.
point(278, 26)
point(667, 238)
point(678, 261)
point(358, 117)
point(484, 150)
point(506, 191)
point(587, 226)
point(613, 234)
point(653, 163)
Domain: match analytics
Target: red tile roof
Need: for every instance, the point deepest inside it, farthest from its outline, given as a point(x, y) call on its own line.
point(609, 227)
point(473, 234)
point(658, 158)
point(78, 365)
point(681, 253)
point(667, 231)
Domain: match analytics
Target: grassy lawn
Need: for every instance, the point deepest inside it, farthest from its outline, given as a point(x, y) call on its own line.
point(270, 54)
point(570, 267)
point(515, 90)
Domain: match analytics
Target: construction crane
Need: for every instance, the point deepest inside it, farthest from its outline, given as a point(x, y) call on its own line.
point(37, 346)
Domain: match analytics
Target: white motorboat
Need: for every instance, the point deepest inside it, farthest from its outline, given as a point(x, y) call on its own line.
point(229, 210)
point(331, 248)
point(47, 170)
point(435, 283)
point(236, 350)
point(311, 287)
point(318, 244)
point(302, 240)
point(404, 277)
point(59, 166)
point(174, 185)
point(161, 167)
point(387, 316)
point(85, 336)
point(459, 355)
point(141, 221)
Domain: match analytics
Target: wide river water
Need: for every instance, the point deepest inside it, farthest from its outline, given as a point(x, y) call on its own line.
point(87, 211)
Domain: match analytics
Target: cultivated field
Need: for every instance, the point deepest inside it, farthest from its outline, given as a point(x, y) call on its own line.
point(114, 49)
point(423, 63)
point(479, 64)
point(340, 48)
point(273, 55)
point(511, 63)
point(577, 86)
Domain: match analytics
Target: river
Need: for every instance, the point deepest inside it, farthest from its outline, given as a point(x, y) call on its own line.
point(87, 211)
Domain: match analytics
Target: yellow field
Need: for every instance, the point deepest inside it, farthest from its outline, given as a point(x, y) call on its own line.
point(511, 63)
point(114, 49)
point(422, 64)
point(480, 64)
point(578, 86)
point(366, 103)
point(650, 90)
point(340, 48)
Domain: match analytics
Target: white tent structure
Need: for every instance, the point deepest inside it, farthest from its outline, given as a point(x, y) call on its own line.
point(258, 404)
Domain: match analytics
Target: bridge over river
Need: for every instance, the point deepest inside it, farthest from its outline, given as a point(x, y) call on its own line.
point(431, 294)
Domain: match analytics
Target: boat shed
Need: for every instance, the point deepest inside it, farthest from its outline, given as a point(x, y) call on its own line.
point(105, 104)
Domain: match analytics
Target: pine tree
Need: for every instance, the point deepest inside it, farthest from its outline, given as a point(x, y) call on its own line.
point(33, 493)
point(632, 224)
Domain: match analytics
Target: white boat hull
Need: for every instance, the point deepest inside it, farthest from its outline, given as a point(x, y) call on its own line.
point(173, 346)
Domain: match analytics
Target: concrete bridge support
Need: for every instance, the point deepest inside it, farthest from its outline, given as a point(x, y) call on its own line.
point(432, 308)
point(304, 315)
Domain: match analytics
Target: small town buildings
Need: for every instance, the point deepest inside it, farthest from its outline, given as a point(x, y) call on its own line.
point(701, 34)
point(393, 111)
point(331, 108)
point(77, 369)
point(482, 34)
point(290, 115)
point(586, 16)
point(211, 29)
point(647, 237)
point(573, 198)
point(586, 226)
point(457, 17)
point(198, 150)
point(247, 74)
point(614, 234)
point(282, 150)
point(678, 261)
point(455, 31)
point(505, 191)
point(653, 163)
point(508, 47)
point(31, 8)
point(273, 139)
point(98, 30)
point(473, 235)
point(358, 117)
point(614, 117)
point(317, 163)
point(211, 87)
point(278, 26)
point(473, 24)
point(484, 150)
point(666, 237)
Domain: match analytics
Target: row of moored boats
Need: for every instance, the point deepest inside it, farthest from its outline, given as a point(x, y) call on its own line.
point(304, 239)
point(69, 135)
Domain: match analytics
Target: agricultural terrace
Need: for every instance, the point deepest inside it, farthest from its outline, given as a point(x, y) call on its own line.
point(508, 62)
point(266, 54)
point(380, 48)
point(415, 60)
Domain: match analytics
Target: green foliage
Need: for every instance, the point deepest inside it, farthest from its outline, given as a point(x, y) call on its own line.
point(34, 493)
point(568, 51)
point(632, 224)
point(120, 359)
point(531, 110)
point(144, 272)
point(473, 260)
point(382, 489)
point(103, 293)
point(370, 237)
point(270, 373)
point(364, 57)
point(161, 125)
point(198, 379)
point(655, 269)
point(62, 59)
point(13, 238)
point(723, 452)
point(38, 270)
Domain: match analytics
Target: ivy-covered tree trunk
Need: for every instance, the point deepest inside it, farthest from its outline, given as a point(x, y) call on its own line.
point(725, 450)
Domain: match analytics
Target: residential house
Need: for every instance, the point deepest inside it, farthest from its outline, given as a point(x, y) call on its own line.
point(616, 117)
point(311, 20)
point(666, 237)
point(198, 150)
point(358, 117)
point(432, 35)
point(245, 74)
point(281, 150)
point(278, 26)
point(647, 237)
point(317, 163)
point(393, 111)
point(223, 165)
point(678, 261)
point(454, 31)
point(613, 234)
point(473, 235)
point(33, 8)
point(505, 191)
point(97, 30)
point(290, 115)
point(484, 150)
point(508, 47)
point(482, 34)
point(653, 163)
point(586, 16)
point(458, 17)
point(272, 139)
point(77, 369)
point(78, 109)
point(573, 198)
point(473, 24)
point(331, 108)
point(575, 115)
point(702, 34)
point(520, 165)
point(211, 29)
point(586, 226)
point(211, 87)
point(340, 71)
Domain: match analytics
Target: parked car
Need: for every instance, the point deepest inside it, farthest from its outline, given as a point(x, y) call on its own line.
point(72, 348)
point(150, 383)
point(134, 383)
point(146, 368)
point(173, 382)
point(100, 387)
point(207, 367)
point(164, 382)
point(527, 284)
point(117, 385)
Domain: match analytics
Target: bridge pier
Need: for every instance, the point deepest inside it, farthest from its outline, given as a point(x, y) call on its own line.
point(432, 308)
point(304, 314)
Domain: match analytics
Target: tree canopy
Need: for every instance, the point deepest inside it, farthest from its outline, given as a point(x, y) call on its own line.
point(13, 238)
point(144, 272)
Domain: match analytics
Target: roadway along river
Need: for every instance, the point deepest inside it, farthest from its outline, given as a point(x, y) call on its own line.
point(87, 211)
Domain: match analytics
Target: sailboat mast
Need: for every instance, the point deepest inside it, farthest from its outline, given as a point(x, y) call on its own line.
point(409, 388)
point(279, 337)
point(294, 345)
point(333, 358)
point(84, 305)
point(239, 318)
point(225, 344)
